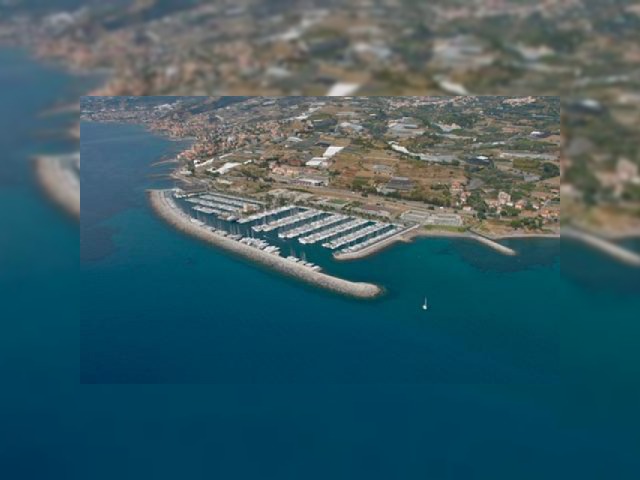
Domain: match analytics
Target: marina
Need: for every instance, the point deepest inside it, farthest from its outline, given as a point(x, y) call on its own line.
point(225, 216)
point(272, 230)
point(257, 250)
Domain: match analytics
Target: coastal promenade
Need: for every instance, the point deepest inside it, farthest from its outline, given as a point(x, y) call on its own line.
point(166, 208)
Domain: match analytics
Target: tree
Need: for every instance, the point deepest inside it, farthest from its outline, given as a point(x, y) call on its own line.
point(550, 170)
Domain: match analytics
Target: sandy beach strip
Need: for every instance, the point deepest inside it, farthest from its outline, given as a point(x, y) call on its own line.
point(165, 208)
point(59, 183)
point(615, 251)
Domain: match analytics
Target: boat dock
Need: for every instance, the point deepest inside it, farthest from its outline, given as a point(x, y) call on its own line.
point(395, 229)
point(232, 200)
point(354, 237)
point(208, 211)
point(312, 227)
point(368, 247)
point(342, 229)
point(266, 214)
point(224, 206)
point(214, 205)
point(289, 220)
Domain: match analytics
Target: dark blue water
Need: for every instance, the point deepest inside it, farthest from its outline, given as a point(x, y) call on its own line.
point(160, 307)
point(38, 279)
point(38, 244)
point(52, 427)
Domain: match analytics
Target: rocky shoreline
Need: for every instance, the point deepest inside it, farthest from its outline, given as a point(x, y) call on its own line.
point(165, 208)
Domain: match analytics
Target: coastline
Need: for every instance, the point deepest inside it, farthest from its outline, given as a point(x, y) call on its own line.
point(416, 231)
point(58, 184)
point(166, 209)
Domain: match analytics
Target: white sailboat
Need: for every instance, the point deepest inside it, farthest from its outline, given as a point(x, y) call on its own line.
point(424, 305)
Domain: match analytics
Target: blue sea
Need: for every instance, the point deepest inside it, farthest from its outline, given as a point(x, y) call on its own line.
point(179, 311)
point(522, 368)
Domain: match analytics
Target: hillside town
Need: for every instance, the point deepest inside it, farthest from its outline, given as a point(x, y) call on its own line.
point(584, 51)
point(490, 164)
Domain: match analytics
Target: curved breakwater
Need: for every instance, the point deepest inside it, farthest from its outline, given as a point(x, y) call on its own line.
point(58, 183)
point(608, 247)
point(165, 207)
point(493, 244)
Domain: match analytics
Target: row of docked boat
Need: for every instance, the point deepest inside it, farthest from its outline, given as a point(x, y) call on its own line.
point(208, 210)
point(260, 244)
point(341, 229)
point(236, 204)
point(312, 227)
point(213, 205)
point(361, 233)
point(396, 229)
point(267, 213)
point(299, 261)
point(233, 200)
point(306, 214)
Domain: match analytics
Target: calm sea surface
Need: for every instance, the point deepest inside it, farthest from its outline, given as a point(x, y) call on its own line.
point(160, 307)
point(545, 358)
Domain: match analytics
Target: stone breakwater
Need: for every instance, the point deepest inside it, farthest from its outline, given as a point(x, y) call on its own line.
point(615, 251)
point(166, 208)
point(59, 183)
point(493, 244)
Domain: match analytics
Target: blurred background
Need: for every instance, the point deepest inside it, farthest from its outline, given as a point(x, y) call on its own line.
point(587, 51)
